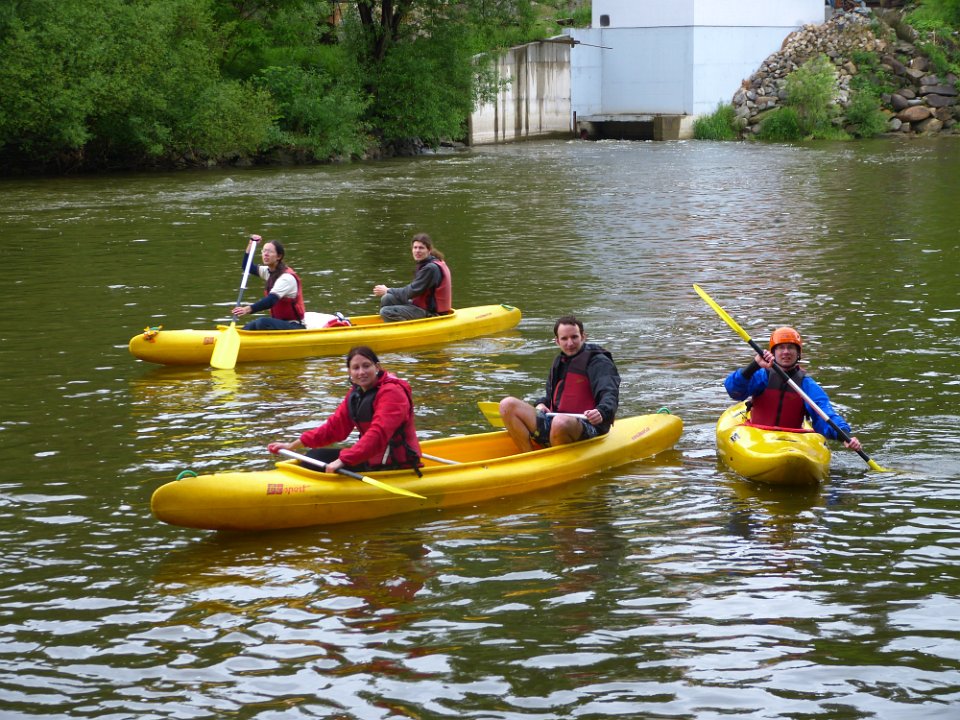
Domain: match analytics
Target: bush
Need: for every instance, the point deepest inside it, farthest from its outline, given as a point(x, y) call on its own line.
point(719, 125)
point(781, 125)
point(810, 90)
point(315, 112)
point(864, 114)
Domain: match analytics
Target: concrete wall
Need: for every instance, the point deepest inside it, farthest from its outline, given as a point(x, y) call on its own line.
point(535, 101)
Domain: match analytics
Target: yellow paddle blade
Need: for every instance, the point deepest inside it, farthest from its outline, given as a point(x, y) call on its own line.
point(226, 349)
point(722, 313)
point(879, 468)
point(491, 411)
point(390, 488)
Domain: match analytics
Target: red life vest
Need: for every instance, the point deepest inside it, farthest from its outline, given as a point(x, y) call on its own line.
point(287, 308)
point(438, 300)
point(572, 392)
point(778, 405)
point(403, 449)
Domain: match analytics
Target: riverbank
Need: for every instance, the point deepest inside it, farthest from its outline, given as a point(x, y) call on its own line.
point(913, 96)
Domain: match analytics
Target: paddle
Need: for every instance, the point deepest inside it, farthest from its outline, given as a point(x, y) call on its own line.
point(783, 374)
point(228, 344)
point(351, 474)
point(491, 411)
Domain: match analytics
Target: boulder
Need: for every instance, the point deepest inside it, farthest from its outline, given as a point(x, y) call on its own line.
point(898, 102)
point(930, 125)
point(914, 114)
point(939, 101)
point(941, 89)
point(908, 93)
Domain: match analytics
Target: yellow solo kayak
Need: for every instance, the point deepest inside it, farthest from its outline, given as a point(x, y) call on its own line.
point(775, 457)
point(488, 466)
point(195, 347)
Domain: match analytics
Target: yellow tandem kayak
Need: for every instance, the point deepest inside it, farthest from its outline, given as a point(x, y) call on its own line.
point(488, 466)
point(775, 457)
point(195, 347)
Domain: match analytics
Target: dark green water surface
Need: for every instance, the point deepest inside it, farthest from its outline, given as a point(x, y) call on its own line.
point(662, 589)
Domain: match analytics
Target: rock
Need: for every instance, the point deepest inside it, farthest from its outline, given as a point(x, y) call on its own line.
point(895, 124)
point(895, 65)
point(944, 115)
point(929, 80)
point(915, 75)
point(940, 101)
point(930, 125)
point(898, 102)
point(919, 63)
point(914, 114)
point(908, 93)
point(938, 89)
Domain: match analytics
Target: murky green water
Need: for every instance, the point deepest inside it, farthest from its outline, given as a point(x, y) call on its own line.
point(666, 588)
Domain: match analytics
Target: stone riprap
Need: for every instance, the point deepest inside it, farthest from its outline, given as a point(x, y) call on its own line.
point(925, 103)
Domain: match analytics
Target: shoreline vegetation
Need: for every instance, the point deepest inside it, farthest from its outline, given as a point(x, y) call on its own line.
point(862, 74)
point(104, 85)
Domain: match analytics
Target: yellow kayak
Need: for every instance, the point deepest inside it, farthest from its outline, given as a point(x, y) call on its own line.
point(195, 347)
point(775, 457)
point(488, 466)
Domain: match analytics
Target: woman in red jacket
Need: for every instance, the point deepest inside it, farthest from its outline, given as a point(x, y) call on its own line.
point(380, 406)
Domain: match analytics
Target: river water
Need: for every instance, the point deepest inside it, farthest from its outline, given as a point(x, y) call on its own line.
point(667, 588)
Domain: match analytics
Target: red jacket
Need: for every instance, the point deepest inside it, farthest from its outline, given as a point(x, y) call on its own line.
point(392, 420)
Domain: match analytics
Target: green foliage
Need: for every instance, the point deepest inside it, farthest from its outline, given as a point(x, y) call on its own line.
point(932, 15)
point(424, 90)
point(101, 83)
point(719, 125)
point(315, 112)
point(938, 21)
point(810, 90)
point(871, 75)
point(864, 114)
point(782, 125)
point(124, 83)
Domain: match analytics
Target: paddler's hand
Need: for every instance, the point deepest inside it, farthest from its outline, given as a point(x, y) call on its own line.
point(380, 290)
point(276, 447)
point(594, 417)
point(854, 444)
point(241, 310)
point(254, 239)
point(765, 360)
point(332, 467)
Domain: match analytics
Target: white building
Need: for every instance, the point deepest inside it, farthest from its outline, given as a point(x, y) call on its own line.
point(644, 69)
point(644, 62)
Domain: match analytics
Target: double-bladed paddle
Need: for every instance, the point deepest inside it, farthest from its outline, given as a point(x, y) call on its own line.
point(783, 374)
point(491, 411)
point(227, 348)
point(349, 473)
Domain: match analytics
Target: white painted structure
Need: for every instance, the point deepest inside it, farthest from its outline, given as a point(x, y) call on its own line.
point(644, 68)
point(646, 58)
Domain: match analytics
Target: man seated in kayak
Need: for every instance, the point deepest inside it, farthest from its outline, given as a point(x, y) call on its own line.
point(773, 402)
point(380, 406)
point(430, 293)
point(582, 394)
point(282, 295)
